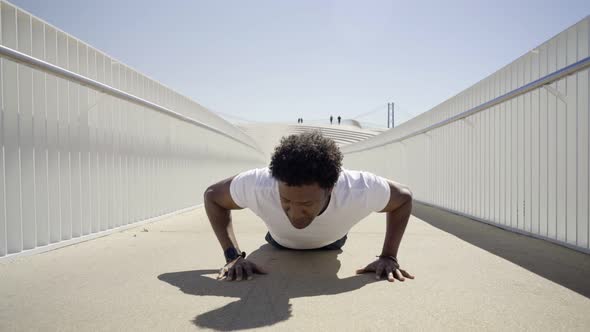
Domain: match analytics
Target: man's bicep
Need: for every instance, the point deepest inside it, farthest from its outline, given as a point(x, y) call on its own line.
point(220, 193)
point(399, 194)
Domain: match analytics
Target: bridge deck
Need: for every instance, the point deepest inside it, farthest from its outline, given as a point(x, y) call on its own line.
point(469, 276)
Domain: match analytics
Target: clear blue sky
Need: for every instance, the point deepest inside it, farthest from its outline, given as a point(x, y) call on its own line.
point(280, 60)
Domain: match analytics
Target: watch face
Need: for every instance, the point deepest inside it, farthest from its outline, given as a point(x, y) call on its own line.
point(231, 253)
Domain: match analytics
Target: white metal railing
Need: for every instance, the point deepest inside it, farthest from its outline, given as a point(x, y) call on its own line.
point(541, 82)
point(85, 81)
point(89, 146)
point(520, 157)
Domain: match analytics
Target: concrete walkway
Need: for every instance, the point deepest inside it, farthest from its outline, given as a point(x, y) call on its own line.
point(469, 276)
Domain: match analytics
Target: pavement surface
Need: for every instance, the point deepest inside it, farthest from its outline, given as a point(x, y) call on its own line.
point(161, 276)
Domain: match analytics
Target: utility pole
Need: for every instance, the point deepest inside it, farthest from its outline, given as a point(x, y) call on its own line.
point(388, 107)
point(390, 115)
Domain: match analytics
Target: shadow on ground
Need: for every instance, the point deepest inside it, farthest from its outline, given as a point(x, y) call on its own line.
point(559, 264)
point(264, 300)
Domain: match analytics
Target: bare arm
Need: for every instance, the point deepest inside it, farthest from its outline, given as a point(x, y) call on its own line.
point(398, 212)
point(218, 205)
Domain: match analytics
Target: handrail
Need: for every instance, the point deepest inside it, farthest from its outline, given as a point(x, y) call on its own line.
point(556, 75)
point(85, 81)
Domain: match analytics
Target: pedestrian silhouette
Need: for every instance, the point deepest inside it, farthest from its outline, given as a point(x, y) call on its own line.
point(331, 119)
point(339, 118)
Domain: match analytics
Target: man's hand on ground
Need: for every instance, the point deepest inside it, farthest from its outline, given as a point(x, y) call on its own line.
point(239, 269)
point(386, 267)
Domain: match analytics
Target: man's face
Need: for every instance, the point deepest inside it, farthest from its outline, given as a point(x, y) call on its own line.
point(302, 203)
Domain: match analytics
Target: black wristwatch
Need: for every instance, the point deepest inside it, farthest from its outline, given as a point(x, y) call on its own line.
point(232, 253)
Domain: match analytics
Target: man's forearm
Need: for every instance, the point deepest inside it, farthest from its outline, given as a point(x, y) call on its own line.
point(220, 220)
point(397, 221)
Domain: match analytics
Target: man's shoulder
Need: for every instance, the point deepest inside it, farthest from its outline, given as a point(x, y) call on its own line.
point(362, 190)
point(356, 179)
point(354, 174)
point(261, 171)
point(251, 188)
point(256, 177)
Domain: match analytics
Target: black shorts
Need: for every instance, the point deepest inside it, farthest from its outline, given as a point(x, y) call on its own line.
point(337, 245)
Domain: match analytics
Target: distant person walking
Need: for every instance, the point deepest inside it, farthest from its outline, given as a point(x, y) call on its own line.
point(331, 119)
point(339, 118)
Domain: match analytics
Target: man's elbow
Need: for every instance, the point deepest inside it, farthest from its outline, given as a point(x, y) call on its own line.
point(209, 194)
point(408, 195)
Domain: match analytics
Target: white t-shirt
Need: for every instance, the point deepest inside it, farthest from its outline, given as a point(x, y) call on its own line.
point(356, 195)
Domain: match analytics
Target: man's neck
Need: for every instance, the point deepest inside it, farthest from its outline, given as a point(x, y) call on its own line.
point(326, 206)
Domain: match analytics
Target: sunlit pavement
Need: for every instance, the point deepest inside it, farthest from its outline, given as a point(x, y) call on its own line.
point(160, 276)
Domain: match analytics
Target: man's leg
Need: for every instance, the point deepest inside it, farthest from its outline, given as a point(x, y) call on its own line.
point(336, 245)
point(272, 241)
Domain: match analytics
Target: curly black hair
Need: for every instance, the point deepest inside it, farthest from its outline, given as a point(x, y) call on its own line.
point(305, 159)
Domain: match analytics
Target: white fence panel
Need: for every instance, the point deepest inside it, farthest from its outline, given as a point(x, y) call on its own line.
point(520, 162)
point(78, 158)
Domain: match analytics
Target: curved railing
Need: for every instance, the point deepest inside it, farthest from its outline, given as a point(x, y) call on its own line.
point(91, 146)
point(512, 150)
point(85, 81)
point(541, 82)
